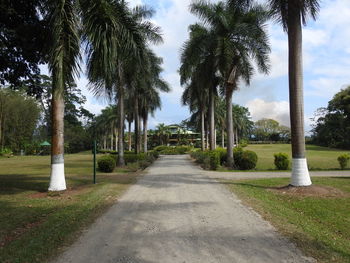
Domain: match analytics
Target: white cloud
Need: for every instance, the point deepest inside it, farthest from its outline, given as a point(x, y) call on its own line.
point(277, 110)
point(326, 87)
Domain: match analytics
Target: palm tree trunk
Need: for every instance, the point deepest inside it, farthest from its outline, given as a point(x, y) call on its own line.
point(211, 119)
point(300, 172)
point(57, 178)
point(223, 138)
point(116, 139)
point(229, 124)
point(202, 130)
point(214, 139)
point(237, 140)
point(121, 161)
point(145, 139)
point(137, 126)
point(104, 142)
point(129, 141)
point(112, 135)
point(206, 136)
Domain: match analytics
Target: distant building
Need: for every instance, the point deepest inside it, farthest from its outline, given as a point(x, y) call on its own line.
point(179, 135)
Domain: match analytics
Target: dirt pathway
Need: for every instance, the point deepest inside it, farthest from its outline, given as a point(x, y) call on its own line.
point(176, 213)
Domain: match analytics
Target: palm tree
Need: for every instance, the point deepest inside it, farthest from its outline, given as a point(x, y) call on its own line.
point(292, 14)
point(239, 32)
point(116, 45)
point(198, 70)
point(220, 114)
point(63, 64)
point(194, 97)
point(151, 84)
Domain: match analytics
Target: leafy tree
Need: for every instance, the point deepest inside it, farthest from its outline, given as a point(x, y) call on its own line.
point(23, 43)
point(19, 115)
point(292, 14)
point(333, 123)
point(270, 130)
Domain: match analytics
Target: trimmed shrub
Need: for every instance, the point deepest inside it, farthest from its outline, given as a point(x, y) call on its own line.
point(160, 148)
point(343, 160)
point(106, 164)
point(155, 154)
point(247, 160)
point(133, 157)
point(214, 160)
point(237, 155)
point(222, 154)
point(6, 152)
point(281, 161)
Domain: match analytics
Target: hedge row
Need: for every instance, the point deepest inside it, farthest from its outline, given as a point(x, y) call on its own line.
point(244, 160)
point(172, 150)
point(107, 163)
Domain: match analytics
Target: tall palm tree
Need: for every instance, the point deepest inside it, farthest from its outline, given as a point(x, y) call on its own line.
point(239, 31)
point(115, 46)
point(198, 70)
point(292, 14)
point(194, 97)
point(63, 64)
point(150, 86)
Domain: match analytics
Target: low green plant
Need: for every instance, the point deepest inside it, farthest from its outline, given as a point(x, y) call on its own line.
point(106, 164)
point(160, 148)
point(247, 160)
point(6, 152)
point(222, 154)
point(214, 159)
point(343, 160)
point(281, 161)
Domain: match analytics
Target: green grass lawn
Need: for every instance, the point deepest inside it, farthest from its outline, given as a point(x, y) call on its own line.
point(319, 158)
point(35, 225)
point(320, 226)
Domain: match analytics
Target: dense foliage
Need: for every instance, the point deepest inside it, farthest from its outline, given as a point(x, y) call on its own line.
point(281, 161)
point(23, 43)
point(332, 127)
point(106, 164)
point(270, 130)
point(19, 115)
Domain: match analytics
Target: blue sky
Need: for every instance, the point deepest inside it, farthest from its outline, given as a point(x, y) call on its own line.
point(326, 63)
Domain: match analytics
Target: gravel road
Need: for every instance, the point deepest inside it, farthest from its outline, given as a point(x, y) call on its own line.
point(176, 213)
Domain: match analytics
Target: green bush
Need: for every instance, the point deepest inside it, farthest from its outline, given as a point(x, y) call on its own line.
point(133, 157)
point(214, 160)
point(155, 154)
point(160, 148)
point(172, 150)
point(6, 152)
point(106, 164)
point(222, 154)
point(343, 160)
point(281, 161)
point(247, 160)
point(237, 155)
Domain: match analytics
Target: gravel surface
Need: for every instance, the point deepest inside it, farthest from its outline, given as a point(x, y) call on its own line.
point(176, 213)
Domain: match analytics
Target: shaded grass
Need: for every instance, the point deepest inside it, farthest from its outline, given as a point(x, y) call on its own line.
point(35, 225)
point(318, 225)
point(319, 158)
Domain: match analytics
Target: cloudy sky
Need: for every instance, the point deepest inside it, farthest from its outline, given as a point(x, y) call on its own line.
point(326, 63)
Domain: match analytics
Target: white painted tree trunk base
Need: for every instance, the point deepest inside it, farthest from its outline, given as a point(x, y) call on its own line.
point(57, 178)
point(300, 173)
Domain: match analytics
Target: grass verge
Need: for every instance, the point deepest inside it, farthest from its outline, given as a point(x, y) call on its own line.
point(318, 225)
point(319, 158)
point(35, 225)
